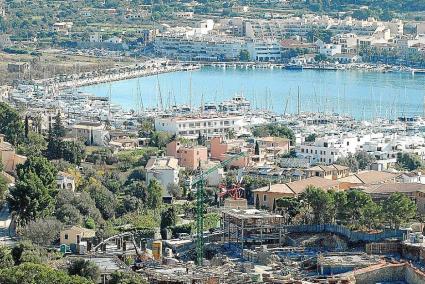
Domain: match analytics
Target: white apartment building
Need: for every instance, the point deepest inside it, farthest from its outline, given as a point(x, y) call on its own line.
point(198, 47)
point(164, 169)
point(206, 125)
point(328, 149)
point(300, 26)
point(383, 147)
point(93, 133)
point(329, 49)
point(264, 50)
point(348, 43)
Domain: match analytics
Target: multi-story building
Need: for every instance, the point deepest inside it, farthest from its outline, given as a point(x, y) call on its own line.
point(273, 145)
point(348, 43)
point(62, 28)
point(165, 170)
point(329, 49)
point(264, 50)
point(93, 133)
point(208, 126)
point(327, 150)
point(198, 47)
point(222, 149)
point(189, 156)
point(301, 26)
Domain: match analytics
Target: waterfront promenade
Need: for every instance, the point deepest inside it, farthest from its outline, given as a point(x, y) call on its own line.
point(115, 74)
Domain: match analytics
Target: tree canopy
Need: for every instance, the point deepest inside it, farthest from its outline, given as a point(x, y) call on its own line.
point(353, 208)
point(274, 129)
point(33, 195)
point(38, 273)
point(11, 124)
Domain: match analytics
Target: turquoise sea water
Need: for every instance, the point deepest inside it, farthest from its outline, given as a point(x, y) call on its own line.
point(361, 94)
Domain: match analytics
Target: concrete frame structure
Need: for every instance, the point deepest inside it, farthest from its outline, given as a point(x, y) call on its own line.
point(252, 227)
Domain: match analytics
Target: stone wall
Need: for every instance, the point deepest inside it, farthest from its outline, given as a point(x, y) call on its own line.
point(413, 276)
point(387, 272)
point(384, 274)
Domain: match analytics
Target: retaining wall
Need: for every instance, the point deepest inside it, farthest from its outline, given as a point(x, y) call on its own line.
point(343, 231)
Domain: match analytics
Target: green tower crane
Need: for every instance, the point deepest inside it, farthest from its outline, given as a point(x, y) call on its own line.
point(199, 183)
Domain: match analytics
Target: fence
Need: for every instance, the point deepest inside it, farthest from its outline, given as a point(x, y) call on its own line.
point(343, 231)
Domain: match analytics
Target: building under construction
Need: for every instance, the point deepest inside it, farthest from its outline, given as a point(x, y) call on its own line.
point(252, 227)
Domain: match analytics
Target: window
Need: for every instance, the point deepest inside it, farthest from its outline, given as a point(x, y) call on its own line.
point(264, 198)
point(66, 236)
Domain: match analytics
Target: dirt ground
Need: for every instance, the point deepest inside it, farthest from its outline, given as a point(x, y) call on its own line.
point(54, 62)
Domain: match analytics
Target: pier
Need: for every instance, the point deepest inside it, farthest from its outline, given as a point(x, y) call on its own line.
point(115, 74)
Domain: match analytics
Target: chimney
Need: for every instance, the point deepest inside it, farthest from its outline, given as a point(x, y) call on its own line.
point(1, 138)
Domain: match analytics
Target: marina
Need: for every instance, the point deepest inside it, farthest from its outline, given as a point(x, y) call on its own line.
point(358, 93)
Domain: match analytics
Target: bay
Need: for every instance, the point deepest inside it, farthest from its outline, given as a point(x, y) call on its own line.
point(361, 94)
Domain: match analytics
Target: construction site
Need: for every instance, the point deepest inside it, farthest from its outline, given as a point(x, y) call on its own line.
point(254, 246)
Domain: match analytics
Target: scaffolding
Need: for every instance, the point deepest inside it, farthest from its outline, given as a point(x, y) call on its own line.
point(252, 227)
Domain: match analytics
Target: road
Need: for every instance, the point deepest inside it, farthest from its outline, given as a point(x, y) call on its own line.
point(5, 220)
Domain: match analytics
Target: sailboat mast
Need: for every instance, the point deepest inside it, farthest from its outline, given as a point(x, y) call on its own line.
point(190, 91)
point(298, 103)
point(161, 107)
point(109, 100)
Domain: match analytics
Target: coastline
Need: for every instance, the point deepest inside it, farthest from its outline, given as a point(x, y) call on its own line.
point(160, 66)
point(115, 74)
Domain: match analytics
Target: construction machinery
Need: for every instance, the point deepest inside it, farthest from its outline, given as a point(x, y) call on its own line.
point(199, 183)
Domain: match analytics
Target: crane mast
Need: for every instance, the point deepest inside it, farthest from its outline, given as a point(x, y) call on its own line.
point(199, 183)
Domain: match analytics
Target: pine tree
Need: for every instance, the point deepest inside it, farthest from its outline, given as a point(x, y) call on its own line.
point(26, 127)
point(257, 148)
point(58, 130)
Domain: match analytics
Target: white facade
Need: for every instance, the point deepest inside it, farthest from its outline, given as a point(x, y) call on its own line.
point(383, 147)
point(330, 49)
point(93, 133)
point(301, 26)
point(96, 37)
point(198, 47)
point(206, 125)
point(264, 50)
point(114, 39)
point(65, 181)
point(164, 169)
point(328, 149)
